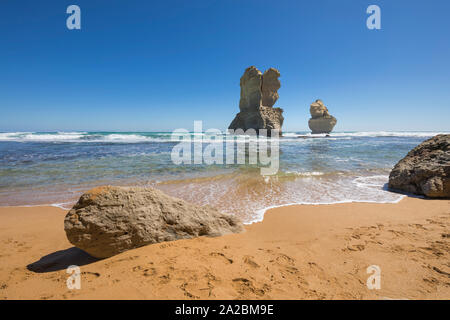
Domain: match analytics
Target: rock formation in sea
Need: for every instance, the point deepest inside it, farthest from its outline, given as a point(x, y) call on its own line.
point(258, 95)
point(321, 121)
point(108, 220)
point(425, 170)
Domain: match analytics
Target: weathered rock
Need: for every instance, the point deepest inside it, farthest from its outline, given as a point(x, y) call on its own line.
point(258, 95)
point(425, 170)
point(251, 95)
point(321, 121)
point(109, 220)
point(264, 118)
point(270, 86)
point(318, 109)
point(322, 125)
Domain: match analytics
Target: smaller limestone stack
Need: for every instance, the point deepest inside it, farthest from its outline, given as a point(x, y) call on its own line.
point(321, 121)
point(425, 170)
point(109, 220)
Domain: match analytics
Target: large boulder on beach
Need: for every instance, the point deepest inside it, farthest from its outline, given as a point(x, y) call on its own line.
point(108, 220)
point(321, 121)
point(259, 92)
point(425, 170)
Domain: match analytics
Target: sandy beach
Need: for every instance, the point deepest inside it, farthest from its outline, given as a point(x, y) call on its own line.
point(297, 252)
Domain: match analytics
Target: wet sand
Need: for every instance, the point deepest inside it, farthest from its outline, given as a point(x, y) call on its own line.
point(297, 252)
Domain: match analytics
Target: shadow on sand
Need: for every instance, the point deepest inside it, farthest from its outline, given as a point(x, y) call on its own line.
point(404, 193)
point(60, 260)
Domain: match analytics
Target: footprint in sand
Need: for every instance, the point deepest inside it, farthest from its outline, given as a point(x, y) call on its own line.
point(283, 258)
point(418, 226)
point(249, 260)
point(442, 272)
point(149, 272)
point(164, 279)
point(187, 293)
point(137, 268)
point(222, 256)
point(314, 266)
point(285, 264)
point(89, 276)
point(246, 287)
point(115, 260)
point(356, 247)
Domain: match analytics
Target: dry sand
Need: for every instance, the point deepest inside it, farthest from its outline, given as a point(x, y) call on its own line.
point(297, 252)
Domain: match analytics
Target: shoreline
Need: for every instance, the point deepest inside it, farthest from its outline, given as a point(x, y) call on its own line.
point(296, 252)
point(264, 211)
point(260, 213)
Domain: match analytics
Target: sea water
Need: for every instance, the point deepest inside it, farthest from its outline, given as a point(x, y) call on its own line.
point(57, 167)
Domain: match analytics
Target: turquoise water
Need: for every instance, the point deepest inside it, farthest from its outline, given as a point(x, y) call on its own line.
point(55, 168)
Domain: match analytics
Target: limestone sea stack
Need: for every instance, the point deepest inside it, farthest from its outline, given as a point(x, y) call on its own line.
point(425, 170)
point(258, 95)
point(321, 121)
point(108, 220)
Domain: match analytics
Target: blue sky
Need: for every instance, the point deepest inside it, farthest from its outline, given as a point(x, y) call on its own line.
point(160, 65)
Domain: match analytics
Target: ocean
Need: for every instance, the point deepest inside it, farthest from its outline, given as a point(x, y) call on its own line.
point(55, 168)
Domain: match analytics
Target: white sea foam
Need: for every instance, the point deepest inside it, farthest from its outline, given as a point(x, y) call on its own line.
point(306, 173)
point(260, 213)
point(33, 136)
point(350, 134)
point(126, 138)
point(63, 205)
point(51, 137)
point(7, 136)
point(71, 133)
point(388, 134)
point(369, 189)
point(378, 181)
point(376, 193)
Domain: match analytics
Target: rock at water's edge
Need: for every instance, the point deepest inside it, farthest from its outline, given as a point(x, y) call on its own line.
point(425, 170)
point(109, 220)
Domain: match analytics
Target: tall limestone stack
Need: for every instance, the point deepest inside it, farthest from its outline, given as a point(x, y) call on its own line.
point(258, 95)
point(321, 121)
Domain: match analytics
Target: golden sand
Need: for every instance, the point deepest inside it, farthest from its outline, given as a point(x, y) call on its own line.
point(297, 252)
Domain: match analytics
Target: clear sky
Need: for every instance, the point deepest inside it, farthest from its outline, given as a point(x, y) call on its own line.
point(160, 65)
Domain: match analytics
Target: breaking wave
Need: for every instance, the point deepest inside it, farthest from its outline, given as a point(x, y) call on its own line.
point(142, 137)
